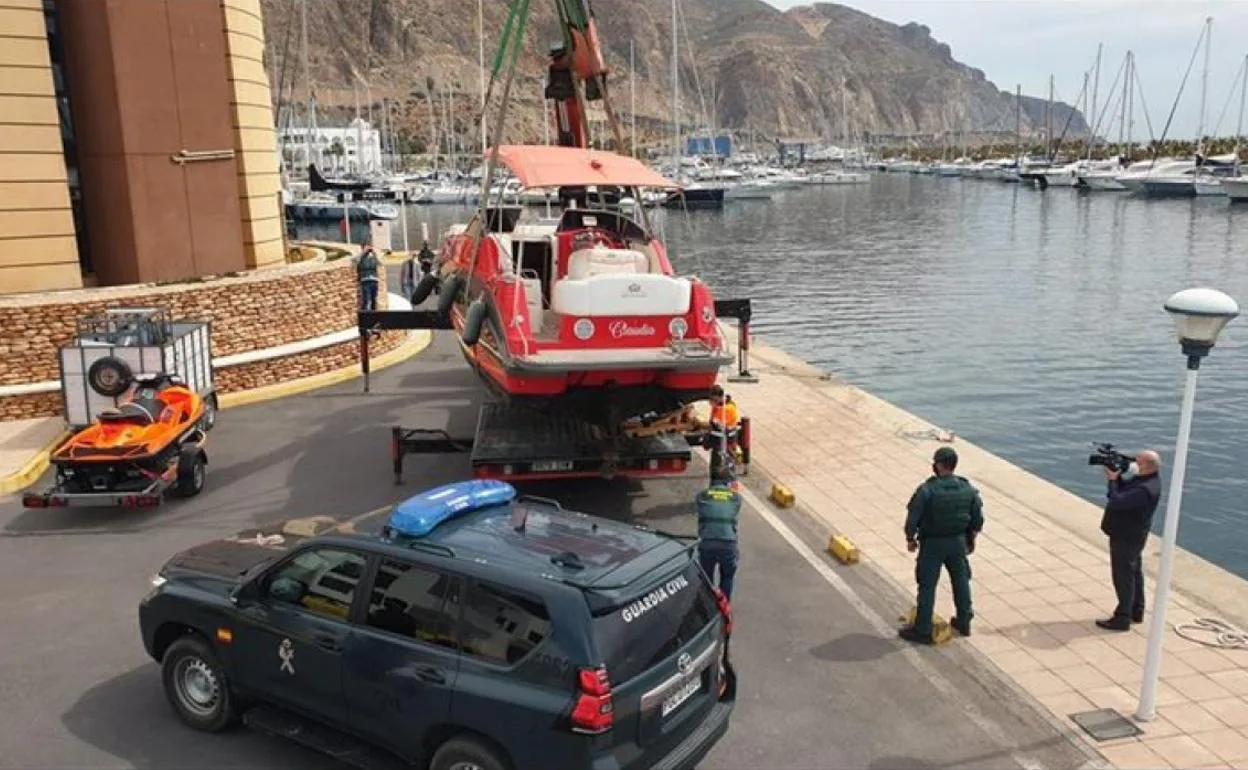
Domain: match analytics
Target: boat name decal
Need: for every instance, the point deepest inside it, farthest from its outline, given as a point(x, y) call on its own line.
point(653, 599)
point(621, 329)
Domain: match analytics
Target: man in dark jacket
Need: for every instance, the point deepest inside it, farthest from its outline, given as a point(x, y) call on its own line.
point(719, 509)
point(943, 518)
point(1127, 521)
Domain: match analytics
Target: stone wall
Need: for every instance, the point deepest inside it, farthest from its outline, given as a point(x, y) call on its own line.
point(249, 312)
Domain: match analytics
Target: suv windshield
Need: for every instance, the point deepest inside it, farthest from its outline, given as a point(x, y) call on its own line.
point(655, 624)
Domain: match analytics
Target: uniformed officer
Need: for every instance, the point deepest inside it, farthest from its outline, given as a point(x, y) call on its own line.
point(719, 510)
point(944, 517)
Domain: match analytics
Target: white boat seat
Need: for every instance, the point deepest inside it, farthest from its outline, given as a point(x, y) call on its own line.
point(533, 298)
point(622, 294)
point(600, 260)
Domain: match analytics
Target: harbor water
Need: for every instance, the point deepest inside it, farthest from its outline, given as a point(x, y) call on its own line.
point(1029, 322)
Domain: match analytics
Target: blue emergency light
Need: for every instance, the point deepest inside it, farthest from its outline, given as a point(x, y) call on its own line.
point(420, 515)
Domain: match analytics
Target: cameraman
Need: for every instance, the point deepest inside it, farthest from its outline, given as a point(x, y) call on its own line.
point(1127, 522)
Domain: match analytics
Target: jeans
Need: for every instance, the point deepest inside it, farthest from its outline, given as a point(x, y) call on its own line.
point(368, 295)
point(1126, 566)
point(723, 553)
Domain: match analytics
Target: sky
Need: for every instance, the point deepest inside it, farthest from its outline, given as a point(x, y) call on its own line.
point(1023, 42)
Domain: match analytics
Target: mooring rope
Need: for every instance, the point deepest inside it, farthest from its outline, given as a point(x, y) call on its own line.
point(1213, 632)
point(931, 434)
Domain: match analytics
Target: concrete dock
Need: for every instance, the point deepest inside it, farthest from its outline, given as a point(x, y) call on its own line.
point(1041, 568)
point(825, 681)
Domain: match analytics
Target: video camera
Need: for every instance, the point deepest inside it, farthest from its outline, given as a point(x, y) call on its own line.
point(1107, 456)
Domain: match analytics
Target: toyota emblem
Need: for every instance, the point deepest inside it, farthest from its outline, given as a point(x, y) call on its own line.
point(684, 663)
point(634, 288)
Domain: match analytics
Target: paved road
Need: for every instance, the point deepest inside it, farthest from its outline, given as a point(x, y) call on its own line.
point(821, 686)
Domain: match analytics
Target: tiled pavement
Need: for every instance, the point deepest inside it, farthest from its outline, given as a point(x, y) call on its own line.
point(853, 460)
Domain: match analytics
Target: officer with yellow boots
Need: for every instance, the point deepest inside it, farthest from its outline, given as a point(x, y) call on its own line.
point(944, 516)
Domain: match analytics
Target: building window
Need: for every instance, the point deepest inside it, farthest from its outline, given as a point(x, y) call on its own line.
point(69, 145)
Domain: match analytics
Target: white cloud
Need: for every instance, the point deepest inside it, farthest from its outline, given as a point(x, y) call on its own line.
point(1025, 41)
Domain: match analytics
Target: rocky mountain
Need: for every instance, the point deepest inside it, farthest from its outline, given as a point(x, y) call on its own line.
point(822, 70)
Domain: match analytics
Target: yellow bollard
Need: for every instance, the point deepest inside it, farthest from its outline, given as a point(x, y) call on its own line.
point(844, 550)
point(782, 496)
point(941, 630)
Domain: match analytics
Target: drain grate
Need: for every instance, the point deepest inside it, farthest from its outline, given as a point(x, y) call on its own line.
point(1106, 724)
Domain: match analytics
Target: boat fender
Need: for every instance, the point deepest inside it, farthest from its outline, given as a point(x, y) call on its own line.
point(110, 376)
point(449, 294)
point(474, 321)
point(424, 289)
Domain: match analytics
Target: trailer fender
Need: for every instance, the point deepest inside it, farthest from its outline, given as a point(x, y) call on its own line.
point(474, 321)
point(209, 417)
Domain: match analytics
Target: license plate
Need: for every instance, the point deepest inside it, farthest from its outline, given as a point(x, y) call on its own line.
point(547, 466)
point(687, 691)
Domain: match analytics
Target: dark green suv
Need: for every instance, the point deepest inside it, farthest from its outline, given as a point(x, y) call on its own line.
point(466, 627)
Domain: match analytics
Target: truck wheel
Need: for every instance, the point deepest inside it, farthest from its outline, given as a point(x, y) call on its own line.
point(191, 472)
point(466, 754)
point(196, 685)
point(209, 417)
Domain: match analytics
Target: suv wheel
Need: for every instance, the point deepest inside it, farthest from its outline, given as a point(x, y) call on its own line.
point(465, 754)
point(196, 685)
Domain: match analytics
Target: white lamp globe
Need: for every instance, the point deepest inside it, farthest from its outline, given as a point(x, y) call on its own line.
point(1200, 315)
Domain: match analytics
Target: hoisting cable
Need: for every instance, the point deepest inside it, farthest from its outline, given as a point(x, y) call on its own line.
point(482, 219)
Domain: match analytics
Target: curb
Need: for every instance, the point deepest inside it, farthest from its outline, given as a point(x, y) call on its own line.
point(32, 470)
point(416, 343)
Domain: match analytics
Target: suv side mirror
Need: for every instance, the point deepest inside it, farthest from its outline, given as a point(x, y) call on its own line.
point(244, 592)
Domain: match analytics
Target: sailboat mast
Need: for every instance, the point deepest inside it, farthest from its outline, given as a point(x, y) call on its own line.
point(1122, 110)
point(1018, 117)
point(675, 94)
point(1096, 87)
point(1048, 139)
point(481, 65)
point(1130, 102)
point(632, 96)
point(1204, 88)
point(1243, 92)
point(307, 83)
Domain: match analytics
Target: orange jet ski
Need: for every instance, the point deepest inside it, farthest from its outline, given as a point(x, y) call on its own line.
point(132, 454)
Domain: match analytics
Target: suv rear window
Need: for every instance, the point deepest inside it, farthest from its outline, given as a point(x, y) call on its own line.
point(652, 626)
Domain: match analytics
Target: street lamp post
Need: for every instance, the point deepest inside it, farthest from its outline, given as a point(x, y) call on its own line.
point(1199, 316)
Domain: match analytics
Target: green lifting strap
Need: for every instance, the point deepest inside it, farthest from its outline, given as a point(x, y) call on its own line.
point(522, 10)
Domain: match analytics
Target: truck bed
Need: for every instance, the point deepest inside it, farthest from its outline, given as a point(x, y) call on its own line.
point(518, 444)
point(515, 442)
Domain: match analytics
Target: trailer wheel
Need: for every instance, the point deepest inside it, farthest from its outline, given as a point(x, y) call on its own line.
point(424, 289)
point(191, 472)
point(209, 418)
point(474, 321)
point(110, 376)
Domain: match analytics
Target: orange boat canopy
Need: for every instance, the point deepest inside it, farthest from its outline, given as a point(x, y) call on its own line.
point(547, 166)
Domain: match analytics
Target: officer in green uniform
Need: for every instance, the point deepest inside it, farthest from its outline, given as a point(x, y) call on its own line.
point(944, 517)
point(719, 511)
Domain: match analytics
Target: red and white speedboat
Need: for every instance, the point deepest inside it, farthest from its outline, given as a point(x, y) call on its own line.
point(583, 310)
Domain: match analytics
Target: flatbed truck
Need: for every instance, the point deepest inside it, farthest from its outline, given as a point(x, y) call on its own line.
point(516, 443)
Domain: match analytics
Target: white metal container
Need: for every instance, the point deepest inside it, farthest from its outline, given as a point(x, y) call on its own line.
point(145, 343)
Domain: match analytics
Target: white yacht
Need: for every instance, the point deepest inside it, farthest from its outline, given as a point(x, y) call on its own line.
point(1236, 188)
